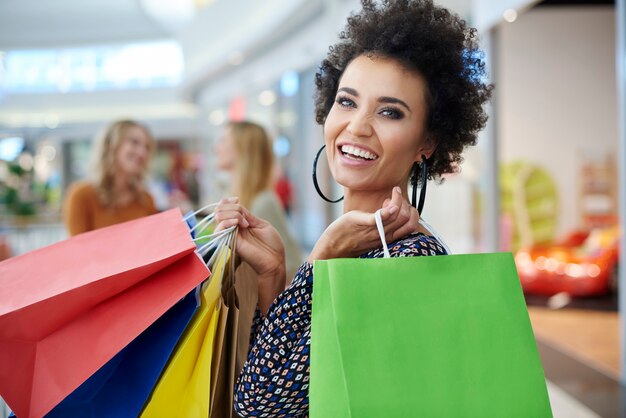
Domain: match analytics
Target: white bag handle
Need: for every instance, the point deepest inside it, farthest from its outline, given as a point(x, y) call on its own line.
point(381, 232)
point(217, 240)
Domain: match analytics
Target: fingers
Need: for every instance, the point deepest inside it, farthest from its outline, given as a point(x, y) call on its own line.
point(230, 213)
point(401, 222)
point(406, 223)
point(391, 206)
point(396, 198)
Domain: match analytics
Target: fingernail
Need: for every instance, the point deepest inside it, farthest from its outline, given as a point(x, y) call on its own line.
point(397, 189)
point(393, 209)
point(245, 223)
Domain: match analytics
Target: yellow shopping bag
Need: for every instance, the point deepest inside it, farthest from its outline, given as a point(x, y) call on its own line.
point(184, 387)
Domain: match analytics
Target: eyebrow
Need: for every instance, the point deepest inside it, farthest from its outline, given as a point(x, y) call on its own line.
point(383, 99)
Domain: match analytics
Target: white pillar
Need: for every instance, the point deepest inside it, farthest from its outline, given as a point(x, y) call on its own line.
point(491, 185)
point(620, 58)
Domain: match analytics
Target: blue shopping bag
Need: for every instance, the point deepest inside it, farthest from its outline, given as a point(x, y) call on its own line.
point(121, 387)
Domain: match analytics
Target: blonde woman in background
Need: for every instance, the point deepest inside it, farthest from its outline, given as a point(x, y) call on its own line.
point(117, 192)
point(245, 152)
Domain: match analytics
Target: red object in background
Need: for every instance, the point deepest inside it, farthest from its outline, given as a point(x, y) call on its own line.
point(284, 191)
point(237, 109)
point(178, 172)
point(584, 264)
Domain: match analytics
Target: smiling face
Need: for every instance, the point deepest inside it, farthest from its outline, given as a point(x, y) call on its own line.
point(375, 130)
point(133, 151)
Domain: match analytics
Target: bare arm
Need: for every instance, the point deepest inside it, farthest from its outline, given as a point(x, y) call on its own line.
point(355, 233)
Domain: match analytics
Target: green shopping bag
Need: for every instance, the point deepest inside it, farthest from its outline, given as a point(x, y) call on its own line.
point(445, 336)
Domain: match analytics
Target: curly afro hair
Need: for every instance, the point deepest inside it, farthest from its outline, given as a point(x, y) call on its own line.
point(438, 45)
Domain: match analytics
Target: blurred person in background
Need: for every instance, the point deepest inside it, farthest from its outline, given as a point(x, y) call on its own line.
point(116, 193)
point(245, 152)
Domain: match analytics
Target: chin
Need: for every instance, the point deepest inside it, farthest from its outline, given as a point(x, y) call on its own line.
point(352, 183)
point(134, 172)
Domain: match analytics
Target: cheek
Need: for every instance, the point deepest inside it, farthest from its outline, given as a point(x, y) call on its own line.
point(217, 149)
point(330, 137)
point(404, 141)
point(122, 154)
point(230, 154)
point(225, 155)
point(221, 149)
point(332, 127)
point(143, 150)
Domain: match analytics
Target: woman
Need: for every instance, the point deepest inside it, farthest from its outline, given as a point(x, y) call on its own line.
point(245, 151)
point(402, 88)
point(116, 193)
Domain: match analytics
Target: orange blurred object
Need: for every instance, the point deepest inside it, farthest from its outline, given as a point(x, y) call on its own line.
point(584, 264)
point(5, 249)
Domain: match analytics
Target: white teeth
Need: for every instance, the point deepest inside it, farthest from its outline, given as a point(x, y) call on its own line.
point(349, 149)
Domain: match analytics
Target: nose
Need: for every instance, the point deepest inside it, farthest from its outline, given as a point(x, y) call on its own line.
point(141, 153)
point(359, 124)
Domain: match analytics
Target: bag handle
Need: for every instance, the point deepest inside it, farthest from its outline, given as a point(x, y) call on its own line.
point(381, 232)
point(224, 240)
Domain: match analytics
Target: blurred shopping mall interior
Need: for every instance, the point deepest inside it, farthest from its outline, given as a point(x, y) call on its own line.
point(542, 182)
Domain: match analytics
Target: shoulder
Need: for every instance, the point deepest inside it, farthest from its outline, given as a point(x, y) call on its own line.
point(82, 190)
point(304, 276)
point(148, 201)
point(83, 187)
point(267, 206)
point(416, 244)
point(266, 198)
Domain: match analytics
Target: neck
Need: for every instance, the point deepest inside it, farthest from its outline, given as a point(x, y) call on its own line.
point(234, 183)
point(368, 201)
point(121, 184)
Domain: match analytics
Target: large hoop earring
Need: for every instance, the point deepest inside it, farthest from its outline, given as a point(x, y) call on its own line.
point(317, 187)
point(419, 206)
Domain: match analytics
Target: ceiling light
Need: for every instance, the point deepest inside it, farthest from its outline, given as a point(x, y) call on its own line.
point(286, 119)
point(510, 15)
point(48, 152)
point(267, 97)
point(171, 14)
point(51, 121)
point(217, 117)
point(289, 83)
point(281, 146)
point(26, 161)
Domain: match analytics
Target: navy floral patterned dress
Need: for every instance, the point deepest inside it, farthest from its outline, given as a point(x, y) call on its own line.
point(274, 381)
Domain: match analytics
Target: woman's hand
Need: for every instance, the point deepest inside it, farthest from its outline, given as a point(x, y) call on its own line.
point(355, 232)
point(258, 244)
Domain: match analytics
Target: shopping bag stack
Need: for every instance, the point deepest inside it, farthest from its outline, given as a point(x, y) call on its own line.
point(98, 324)
point(444, 336)
point(188, 386)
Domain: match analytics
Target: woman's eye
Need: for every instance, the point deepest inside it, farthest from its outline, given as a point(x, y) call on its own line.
point(392, 113)
point(344, 102)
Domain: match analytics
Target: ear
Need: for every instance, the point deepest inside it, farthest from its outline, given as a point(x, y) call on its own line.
point(426, 149)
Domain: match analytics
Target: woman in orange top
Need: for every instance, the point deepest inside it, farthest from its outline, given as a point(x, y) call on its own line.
point(117, 193)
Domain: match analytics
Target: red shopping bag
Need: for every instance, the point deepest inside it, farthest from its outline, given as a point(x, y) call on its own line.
point(68, 308)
